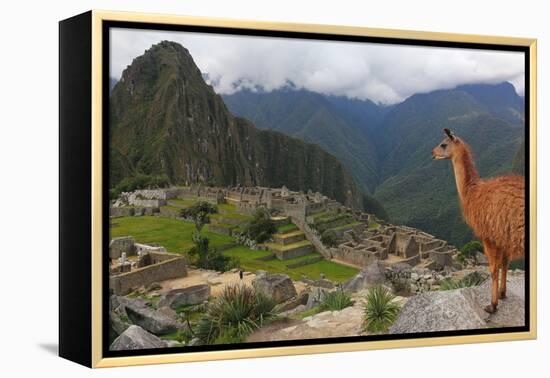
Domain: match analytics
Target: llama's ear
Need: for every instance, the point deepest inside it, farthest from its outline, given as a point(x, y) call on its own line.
point(449, 133)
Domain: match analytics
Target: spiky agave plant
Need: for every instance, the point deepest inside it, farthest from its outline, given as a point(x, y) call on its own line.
point(380, 310)
point(336, 300)
point(234, 315)
point(473, 279)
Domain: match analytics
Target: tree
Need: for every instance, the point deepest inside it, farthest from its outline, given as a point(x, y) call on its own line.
point(329, 238)
point(470, 250)
point(199, 213)
point(261, 227)
point(206, 257)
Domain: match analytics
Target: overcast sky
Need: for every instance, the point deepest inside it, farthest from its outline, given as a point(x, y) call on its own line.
point(382, 73)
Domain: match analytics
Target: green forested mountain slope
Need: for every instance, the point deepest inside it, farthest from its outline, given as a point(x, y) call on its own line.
point(341, 128)
point(420, 192)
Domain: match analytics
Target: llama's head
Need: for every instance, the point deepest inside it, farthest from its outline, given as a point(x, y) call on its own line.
point(446, 149)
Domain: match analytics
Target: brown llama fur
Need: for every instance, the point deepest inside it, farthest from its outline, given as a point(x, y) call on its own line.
point(493, 208)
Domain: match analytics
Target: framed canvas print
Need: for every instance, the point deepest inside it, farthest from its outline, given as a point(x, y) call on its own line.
point(235, 189)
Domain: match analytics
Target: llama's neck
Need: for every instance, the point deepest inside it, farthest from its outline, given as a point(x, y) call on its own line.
point(466, 175)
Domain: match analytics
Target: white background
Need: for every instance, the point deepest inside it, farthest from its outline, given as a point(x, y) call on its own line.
point(29, 186)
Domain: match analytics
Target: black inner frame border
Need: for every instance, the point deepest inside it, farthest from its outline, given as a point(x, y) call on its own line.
point(107, 25)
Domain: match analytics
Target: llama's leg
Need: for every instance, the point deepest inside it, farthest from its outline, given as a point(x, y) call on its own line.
point(491, 253)
point(503, 272)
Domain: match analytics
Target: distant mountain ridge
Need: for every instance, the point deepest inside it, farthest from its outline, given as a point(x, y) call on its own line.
point(317, 119)
point(164, 119)
point(393, 143)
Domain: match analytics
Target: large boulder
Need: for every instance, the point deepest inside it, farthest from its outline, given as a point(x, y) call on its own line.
point(462, 309)
point(187, 296)
point(372, 275)
point(316, 297)
point(292, 303)
point(277, 286)
point(136, 337)
point(118, 323)
point(159, 322)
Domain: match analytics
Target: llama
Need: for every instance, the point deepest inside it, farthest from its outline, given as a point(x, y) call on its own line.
point(493, 208)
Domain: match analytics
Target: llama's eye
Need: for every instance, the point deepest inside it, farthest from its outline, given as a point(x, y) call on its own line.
point(443, 145)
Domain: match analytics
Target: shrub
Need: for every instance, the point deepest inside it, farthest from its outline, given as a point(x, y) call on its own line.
point(261, 228)
point(336, 300)
point(199, 213)
point(234, 315)
point(380, 310)
point(469, 251)
point(472, 279)
point(206, 258)
point(329, 238)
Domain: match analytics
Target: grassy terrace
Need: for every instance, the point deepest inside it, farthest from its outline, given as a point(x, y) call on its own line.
point(174, 235)
point(283, 229)
point(345, 226)
point(241, 217)
point(280, 247)
point(290, 234)
point(333, 271)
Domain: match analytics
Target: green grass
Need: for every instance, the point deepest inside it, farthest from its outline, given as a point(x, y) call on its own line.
point(304, 314)
point(345, 226)
point(333, 271)
point(175, 235)
point(286, 247)
point(227, 207)
point(290, 234)
point(241, 217)
point(323, 215)
point(373, 225)
point(285, 228)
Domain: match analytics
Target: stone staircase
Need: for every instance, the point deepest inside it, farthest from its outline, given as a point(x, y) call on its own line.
point(290, 244)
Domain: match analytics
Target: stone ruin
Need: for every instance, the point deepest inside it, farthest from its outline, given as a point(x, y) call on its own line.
point(361, 245)
point(133, 265)
point(395, 244)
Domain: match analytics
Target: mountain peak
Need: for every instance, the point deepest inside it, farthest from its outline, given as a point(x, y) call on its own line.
point(166, 120)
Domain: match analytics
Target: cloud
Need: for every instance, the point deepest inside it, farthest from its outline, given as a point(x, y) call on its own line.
point(382, 73)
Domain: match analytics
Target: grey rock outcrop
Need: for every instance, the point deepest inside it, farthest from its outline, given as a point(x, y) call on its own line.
point(462, 309)
point(277, 286)
point(118, 324)
point(187, 296)
point(136, 337)
point(316, 297)
point(292, 303)
point(373, 274)
point(159, 322)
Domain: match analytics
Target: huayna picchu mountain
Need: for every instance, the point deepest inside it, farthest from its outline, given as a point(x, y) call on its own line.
point(165, 120)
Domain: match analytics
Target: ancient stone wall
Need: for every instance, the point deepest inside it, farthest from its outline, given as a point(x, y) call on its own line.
point(136, 201)
point(173, 267)
point(158, 194)
point(312, 236)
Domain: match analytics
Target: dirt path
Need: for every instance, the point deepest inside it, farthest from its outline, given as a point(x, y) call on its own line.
point(217, 281)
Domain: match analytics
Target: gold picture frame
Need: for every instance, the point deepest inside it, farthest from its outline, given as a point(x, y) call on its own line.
point(94, 23)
